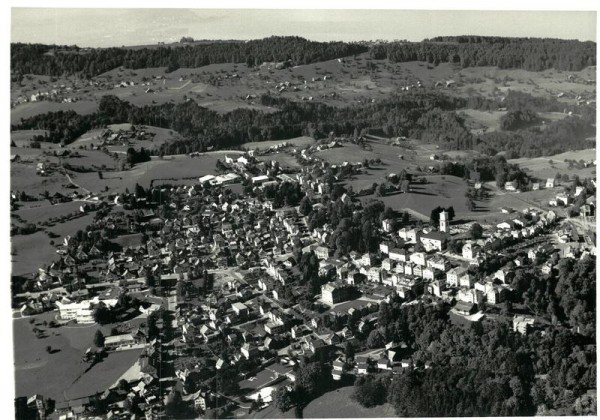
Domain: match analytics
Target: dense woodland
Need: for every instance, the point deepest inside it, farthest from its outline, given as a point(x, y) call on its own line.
point(520, 53)
point(55, 60)
point(534, 54)
point(484, 369)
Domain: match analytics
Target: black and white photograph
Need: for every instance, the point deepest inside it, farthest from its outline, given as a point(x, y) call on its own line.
point(284, 211)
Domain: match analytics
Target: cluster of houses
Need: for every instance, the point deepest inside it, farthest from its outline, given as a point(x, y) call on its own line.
point(124, 137)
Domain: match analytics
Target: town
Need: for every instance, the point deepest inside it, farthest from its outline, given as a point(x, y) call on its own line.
point(284, 213)
point(261, 285)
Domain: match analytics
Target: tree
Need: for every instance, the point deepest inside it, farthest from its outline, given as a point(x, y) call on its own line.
point(434, 217)
point(175, 407)
point(102, 315)
point(451, 213)
point(311, 380)
point(476, 231)
point(369, 391)
point(349, 350)
point(99, 339)
point(283, 398)
point(375, 340)
point(305, 206)
point(381, 190)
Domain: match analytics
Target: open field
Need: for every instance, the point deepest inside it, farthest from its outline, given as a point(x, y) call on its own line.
point(24, 178)
point(444, 191)
point(488, 120)
point(338, 404)
point(70, 227)
point(24, 137)
point(31, 252)
point(37, 371)
point(540, 167)
point(170, 167)
point(91, 160)
point(41, 211)
point(31, 109)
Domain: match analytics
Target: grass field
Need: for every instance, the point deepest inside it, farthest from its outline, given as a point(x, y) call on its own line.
point(42, 210)
point(31, 109)
point(444, 191)
point(338, 404)
point(31, 252)
point(91, 160)
point(24, 178)
point(62, 373)
point(177, 167)
point(541, 168)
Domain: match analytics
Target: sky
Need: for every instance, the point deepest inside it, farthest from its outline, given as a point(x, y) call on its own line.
point(117, 27)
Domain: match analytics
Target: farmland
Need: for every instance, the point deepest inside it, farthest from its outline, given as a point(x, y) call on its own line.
point(442, 191)
point(338, 404)
point(30, 252)
point(225, 87)
point(38, 371)
point(549, 166)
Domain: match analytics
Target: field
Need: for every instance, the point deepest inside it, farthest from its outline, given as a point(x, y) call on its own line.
point(37, 371)
point(338, 404)
point(171, 167)
point(444, 191)
point(42, 211)
point(29, 252)
point(30, 109)
point(24, 178)
point(542, 168)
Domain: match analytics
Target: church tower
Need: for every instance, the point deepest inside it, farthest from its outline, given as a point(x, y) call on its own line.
point(444, 222)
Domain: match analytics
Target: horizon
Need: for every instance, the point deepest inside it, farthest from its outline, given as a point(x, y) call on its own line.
point(139, 27)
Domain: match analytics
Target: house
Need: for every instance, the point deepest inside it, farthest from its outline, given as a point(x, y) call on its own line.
point(510, 186)
point(339, 367)
point(332, 293)
point(522, 323)
point(322, 252)
point(464, 308)
point(550, 183)
point(453, 275)
point(396, 254)
point(240, 309)
point(470, 250)
point(388, 225)
point(433, 241)
point(436, 287)
point(496, 295)
point(119, 342)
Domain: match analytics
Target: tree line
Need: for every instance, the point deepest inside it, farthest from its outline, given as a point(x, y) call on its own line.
point(55, 60)
point(533, 54)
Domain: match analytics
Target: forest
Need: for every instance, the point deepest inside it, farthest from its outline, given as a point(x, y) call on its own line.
point(53, 60)
point(484, 369)
point(533, 54)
